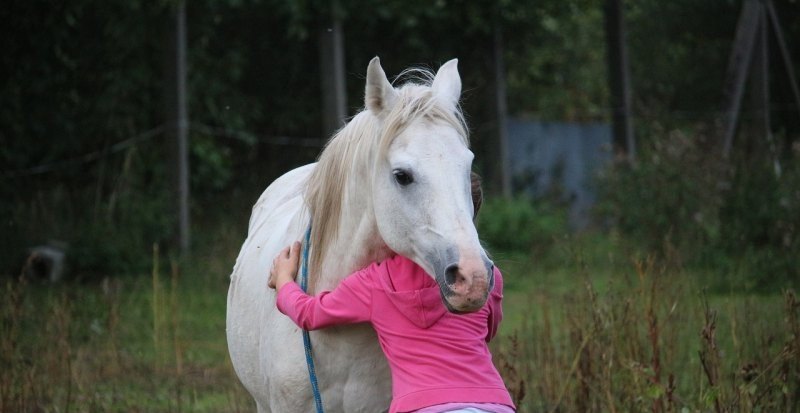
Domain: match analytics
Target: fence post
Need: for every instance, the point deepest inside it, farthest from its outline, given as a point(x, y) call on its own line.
point(501, 108)
point(334, 95)
point(619, 79)
point(178, 129)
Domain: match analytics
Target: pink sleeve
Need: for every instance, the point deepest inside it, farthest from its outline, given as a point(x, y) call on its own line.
point(350, 302)
point(495, 305)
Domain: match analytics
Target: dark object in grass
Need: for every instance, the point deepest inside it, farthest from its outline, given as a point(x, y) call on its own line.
point(45, 262)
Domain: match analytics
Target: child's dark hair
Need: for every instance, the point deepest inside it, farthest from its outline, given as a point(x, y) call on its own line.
point(477, 194)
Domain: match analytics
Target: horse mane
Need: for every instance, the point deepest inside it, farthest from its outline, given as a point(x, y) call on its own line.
point(353, 149)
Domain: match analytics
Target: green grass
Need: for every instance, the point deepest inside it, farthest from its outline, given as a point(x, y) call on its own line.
point(590, 325)
point(593, 325)
point(149, 343)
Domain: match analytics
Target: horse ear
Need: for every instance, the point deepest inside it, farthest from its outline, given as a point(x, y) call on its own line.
point(447, 83)
point(380, 95)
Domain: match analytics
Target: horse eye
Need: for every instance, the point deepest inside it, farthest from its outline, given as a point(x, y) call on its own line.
point(403, 177)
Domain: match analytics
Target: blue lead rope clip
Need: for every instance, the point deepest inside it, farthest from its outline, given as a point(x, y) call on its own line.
point(312, 374)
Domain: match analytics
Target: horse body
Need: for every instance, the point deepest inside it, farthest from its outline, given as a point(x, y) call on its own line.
point(267, 348)
point(395, 179)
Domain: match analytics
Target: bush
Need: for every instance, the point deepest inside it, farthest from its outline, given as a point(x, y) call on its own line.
point(669, 197)
point(122, 243)
point(761, 221)
point(520, 225)
point(681, 199)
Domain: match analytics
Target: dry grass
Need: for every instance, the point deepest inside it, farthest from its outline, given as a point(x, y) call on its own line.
point(651, 341)
point(616, 337)
point(125, 345)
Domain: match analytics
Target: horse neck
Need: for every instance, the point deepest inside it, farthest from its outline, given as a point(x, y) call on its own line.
point(358, 242)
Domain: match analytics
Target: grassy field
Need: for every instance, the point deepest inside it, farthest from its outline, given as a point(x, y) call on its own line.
point(152, 343)
point(599, 328)
point(589, 326)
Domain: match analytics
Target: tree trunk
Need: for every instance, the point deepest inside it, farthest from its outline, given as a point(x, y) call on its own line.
point(619, 80)
point(332, 72)
point(178, 128)
point(504, 167)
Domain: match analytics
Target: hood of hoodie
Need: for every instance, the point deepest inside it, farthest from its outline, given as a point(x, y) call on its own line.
point(413, 292)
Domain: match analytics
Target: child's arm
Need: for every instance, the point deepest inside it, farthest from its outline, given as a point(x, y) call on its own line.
point(349, 303)
point(495, 305)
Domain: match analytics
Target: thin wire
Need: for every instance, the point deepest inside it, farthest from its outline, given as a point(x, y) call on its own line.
point(88, 157)
point(240, 135)
point(280, 140)
point(249, 137)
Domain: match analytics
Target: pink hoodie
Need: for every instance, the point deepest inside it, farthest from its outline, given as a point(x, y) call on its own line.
point(436, 357)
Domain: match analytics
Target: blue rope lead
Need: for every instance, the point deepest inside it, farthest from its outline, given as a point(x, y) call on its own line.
point(312, 374)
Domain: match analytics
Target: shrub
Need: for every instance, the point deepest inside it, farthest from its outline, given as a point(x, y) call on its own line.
point(670, 196)
point(520, 225)
point(737, 216)
point(761, 221)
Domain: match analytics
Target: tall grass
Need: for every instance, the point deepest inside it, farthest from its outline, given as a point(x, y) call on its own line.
point(591, 330)
point(645, 337)
point(126, 344)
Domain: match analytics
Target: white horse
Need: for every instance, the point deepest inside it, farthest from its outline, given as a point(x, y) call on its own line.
point(395, 179)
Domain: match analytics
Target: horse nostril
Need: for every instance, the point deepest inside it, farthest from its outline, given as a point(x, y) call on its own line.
point(451, 274)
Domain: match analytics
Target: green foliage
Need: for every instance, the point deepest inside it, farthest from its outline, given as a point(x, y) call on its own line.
point(212, 165)
point(93, 78)
point(679, 53)
point(683, 201)
point(566, 79)
point(520, 225)
point(669, 196)
point(104, 232)
point(761, 221)
point(81, 76)
point(117, 243)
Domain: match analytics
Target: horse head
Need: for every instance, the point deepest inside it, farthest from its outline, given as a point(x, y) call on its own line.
point(421, 183)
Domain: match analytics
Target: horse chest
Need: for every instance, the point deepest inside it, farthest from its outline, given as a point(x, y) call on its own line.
point(353, 373)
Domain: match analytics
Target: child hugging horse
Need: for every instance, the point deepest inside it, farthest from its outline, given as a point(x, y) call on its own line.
point(440, 361)
point(394, 181)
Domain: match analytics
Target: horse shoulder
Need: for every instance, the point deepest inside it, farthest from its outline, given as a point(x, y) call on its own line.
point(289, 185)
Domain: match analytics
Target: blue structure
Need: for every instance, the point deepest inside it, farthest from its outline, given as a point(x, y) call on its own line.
point(559, 157)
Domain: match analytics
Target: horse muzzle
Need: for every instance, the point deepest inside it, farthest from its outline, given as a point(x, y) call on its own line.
point(466, 285)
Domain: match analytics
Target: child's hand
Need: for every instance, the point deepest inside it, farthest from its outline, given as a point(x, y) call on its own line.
point(284, 266)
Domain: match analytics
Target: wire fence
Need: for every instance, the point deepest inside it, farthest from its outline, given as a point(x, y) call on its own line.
point(228, 133)
point(87, 157)
point(314, 142)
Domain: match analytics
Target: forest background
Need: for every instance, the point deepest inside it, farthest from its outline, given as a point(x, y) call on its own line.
point(87, 165)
